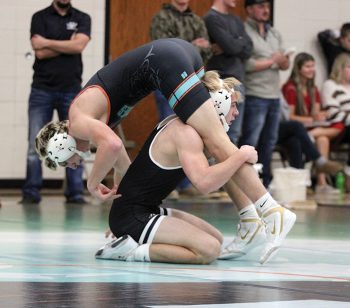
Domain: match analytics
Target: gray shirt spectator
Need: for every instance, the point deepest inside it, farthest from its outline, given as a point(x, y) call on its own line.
point(262, 107)
point(265, 82)
point(227, 31)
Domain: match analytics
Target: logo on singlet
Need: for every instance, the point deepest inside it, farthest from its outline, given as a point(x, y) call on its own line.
point(124, 111)
point(184, 75)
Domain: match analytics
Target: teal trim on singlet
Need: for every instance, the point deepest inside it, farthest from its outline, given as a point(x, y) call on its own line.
point(201, 72)
point(183, 89)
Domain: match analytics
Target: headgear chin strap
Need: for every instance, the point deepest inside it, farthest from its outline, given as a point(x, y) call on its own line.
point(222, 104)
point(62, 147)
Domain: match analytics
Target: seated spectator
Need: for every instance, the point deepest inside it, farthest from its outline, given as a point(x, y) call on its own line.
point(304, 102)
point(334, 42)
point(293, 136)
point(336, 98)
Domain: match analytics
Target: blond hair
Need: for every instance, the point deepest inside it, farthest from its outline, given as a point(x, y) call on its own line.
point(212, 82)
point(43, 137)
point(338, 66)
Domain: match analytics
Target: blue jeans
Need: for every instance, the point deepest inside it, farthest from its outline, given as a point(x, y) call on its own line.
point(42, 104)
point(164, 111)
point(294, 137)
point(260, 129)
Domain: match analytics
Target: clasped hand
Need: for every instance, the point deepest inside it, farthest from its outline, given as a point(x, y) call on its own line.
point(103, 193)
point(250, 152)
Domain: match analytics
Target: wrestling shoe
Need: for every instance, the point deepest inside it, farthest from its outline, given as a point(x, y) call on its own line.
point(250, 234)
point(278, 222)
point(119, 249)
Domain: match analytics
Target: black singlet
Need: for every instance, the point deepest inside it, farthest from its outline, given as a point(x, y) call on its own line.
point(172, 66)
point(143, 188)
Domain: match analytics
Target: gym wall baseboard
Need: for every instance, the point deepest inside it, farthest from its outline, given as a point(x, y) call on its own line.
point(18, 184)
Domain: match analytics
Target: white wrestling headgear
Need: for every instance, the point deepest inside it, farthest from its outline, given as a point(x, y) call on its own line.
point(222, 104)
point(62, 147)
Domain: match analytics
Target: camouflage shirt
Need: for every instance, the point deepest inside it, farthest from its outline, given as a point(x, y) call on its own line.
point(171, 23)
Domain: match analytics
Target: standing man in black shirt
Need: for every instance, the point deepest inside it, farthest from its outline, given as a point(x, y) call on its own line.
point(231, 46)
point(59, 34)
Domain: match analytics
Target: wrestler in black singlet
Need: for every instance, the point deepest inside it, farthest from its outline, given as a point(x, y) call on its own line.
point(172, 66)
point(143, 188)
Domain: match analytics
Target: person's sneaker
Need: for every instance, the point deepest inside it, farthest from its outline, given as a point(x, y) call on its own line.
point(326, 190)
point(250, 234)
point(119, 249)
point(278, 222)
point(329, 167)
point(29, 200)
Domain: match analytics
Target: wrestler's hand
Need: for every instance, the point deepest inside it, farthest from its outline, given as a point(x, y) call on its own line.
point(103, 193)
point(108, 233)
point(250, 153)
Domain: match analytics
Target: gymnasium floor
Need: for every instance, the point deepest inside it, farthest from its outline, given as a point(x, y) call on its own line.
point(47, 260)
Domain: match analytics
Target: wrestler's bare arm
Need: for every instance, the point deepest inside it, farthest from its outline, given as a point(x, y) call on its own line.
point(121, 166)
point(109, 148)
point(207, 124)
point(195, 164)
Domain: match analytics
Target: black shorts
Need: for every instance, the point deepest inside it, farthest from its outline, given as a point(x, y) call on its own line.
point(140, 222)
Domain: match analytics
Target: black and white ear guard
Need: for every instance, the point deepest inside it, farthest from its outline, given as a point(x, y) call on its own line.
point(62, 147)
point(222, 104)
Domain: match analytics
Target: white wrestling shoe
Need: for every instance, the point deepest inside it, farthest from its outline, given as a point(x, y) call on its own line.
point(279, 221)
point(119, 249)
point(250, 234)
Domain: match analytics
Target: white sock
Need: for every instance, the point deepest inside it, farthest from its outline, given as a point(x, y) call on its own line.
point(248, 212)
point(266, 202)
point(140, 254)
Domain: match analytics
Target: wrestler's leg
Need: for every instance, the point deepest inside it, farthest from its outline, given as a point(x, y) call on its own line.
point(160, 235)
point(199, 223)
point(177, 241)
